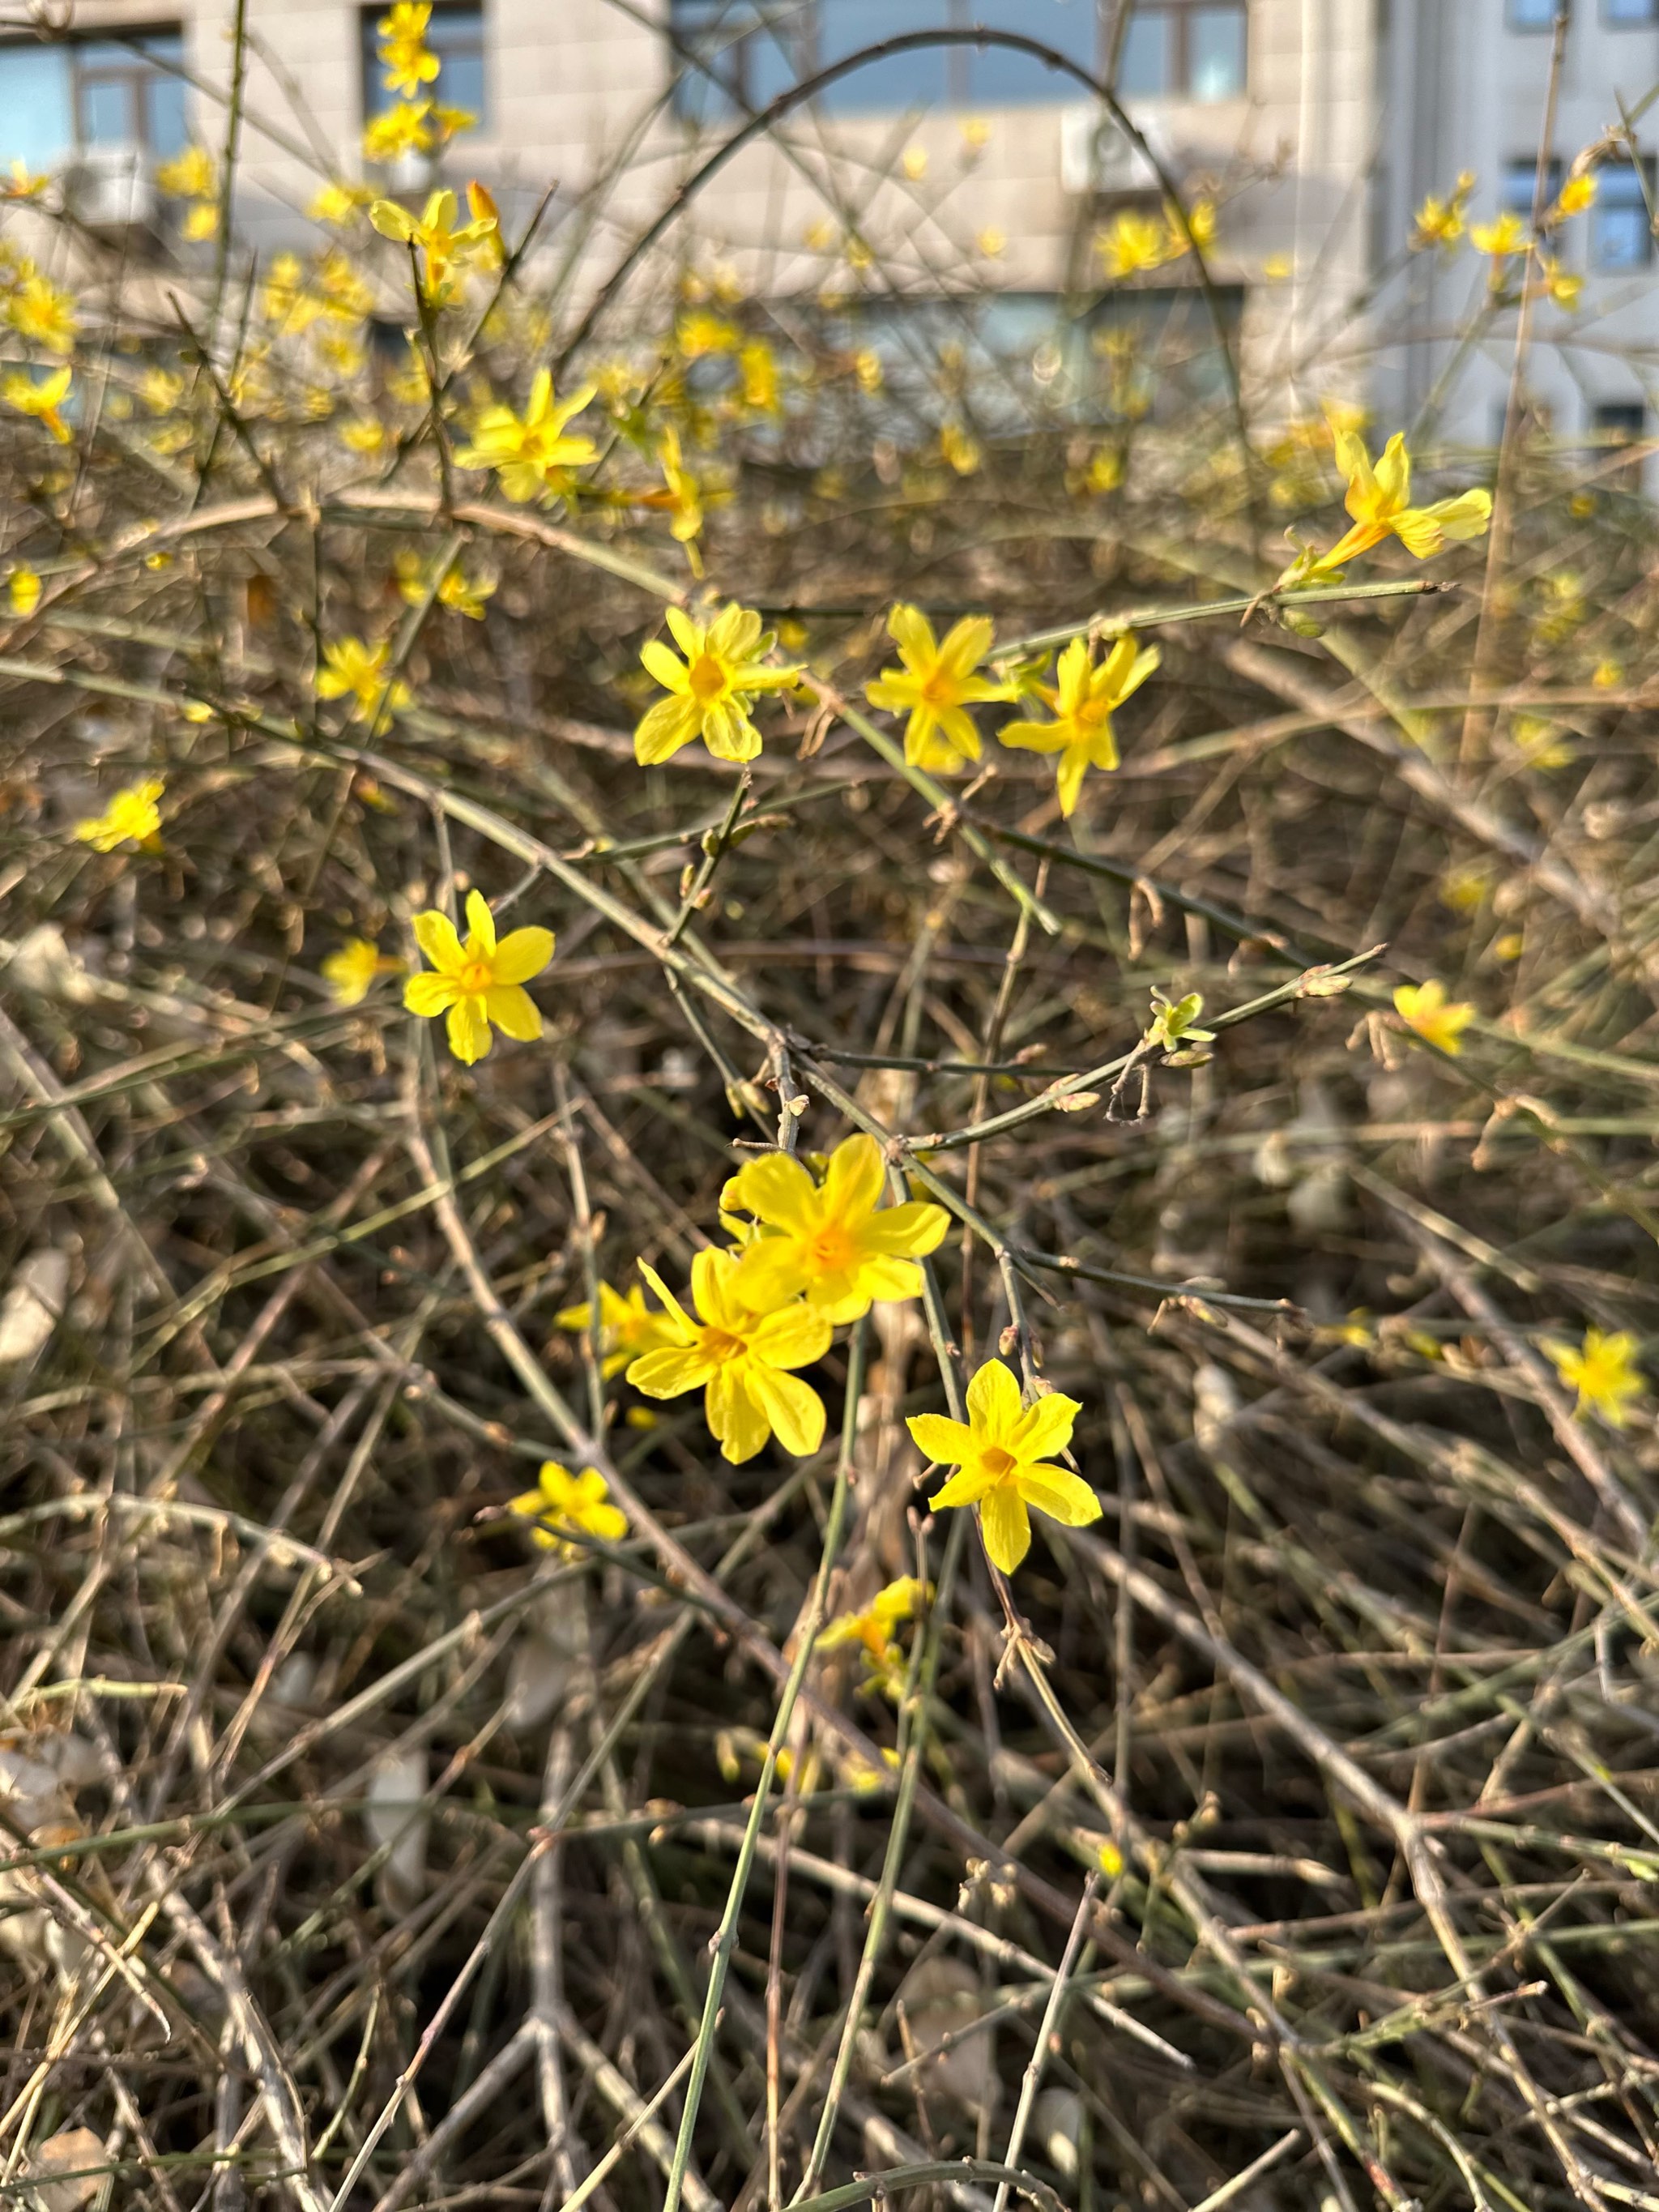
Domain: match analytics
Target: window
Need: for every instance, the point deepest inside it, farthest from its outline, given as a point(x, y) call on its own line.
point(1519, 180)
point(1534, 14)
point(1619, 421)
point(455, 35)
point(1620, 12)
point(92, 92)
point(747, 52)
point(1621, 230)
point(1184, 50)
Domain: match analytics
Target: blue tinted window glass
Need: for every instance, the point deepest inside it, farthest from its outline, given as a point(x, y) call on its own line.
point(1621, 236)
point(919, 79)
point(106, 116)
point(1629, 11)
point(166, 133)
point(1532, 14)
point(1215, 53)
point(998, 78)
point(36, 124)
point(1145, 67)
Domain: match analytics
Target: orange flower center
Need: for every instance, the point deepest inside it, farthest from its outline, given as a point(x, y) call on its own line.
point(474, 977)
point(940, 688)
point(719, 1344)
point(996, 1463)
point(830, 1250)
point(707, 678)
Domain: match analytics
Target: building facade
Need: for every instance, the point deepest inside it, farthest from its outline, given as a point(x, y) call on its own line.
point(1318, 127)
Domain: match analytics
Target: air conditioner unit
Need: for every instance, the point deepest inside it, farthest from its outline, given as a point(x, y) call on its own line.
point(110, 188)
point(1097, 156)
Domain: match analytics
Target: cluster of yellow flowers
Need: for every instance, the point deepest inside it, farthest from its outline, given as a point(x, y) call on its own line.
point(1442, 222)
point(1136, 244)
point(193, 176)
point(414, 124)
point(814, 1253)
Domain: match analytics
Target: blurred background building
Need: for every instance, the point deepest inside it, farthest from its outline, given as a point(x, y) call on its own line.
point(1317, 127)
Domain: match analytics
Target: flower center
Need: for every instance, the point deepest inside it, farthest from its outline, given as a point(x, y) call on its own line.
point(719, 1344)
point(940, 688)
point(996, 1463)
point(474, 978)
point(830, 1250)
point(707, 678)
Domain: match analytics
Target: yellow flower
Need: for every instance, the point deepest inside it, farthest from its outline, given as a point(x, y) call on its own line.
point(131, 817)
point(757, 374)
point(935, 687)
point(188, 175)
point(442, 246)
point(20, 184)
point(362, 434)
point(285, 300)
point(41, 400)
point(407, 64)
point(1171, 1028)
point(401, 130)
point(480, 982)
point(959, 449)
point(835, 1241)
point(627, 1327)
point(349, 972)
point(1440, 221)
point(1576, 194)
point(38, 310)
point(1425, 1007)
point(975, 134)
point(335, 203)
point(913, 163)
point(161, 390)
point(681, 497)
point(999, 1452)
point(991, 243)
point(530, 453)
point(1602, 1371)
point(1563, 285)
point(1379, 500)
point(404, 20)
point(873, 1628)
point(700, 334)
point(1607, 675)
point(563, 1503)
point(202, 222)
point(351, 667)
point(709, 691)
point(23, 591)
point(1133, 244)
point(866, 367)
point(1083, 700)
point(739, 1360)
point(1200, 221)
point(1508, 236)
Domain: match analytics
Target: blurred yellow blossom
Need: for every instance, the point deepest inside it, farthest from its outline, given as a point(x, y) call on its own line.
point(131, 818)
point(39, 310)
point(1576, 194)
point(41, 400)
point(531, 453)
point(349, 972)
point(1424, 1008)
point(406, 128)
point(1506, 237)
point(627, 1327)
point(1602, 1370)
point(189, 175)
point(1379, 500)
point(23, 591)
point(563, 1505)
point(442, 247)
point(352, 668)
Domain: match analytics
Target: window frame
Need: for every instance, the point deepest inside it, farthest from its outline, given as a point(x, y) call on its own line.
point(373, 100)
point(136, 71)
point(1514, 21)
point(1180, 14)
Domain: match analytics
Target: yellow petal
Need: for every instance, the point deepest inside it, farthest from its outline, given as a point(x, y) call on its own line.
point(1046, 1427)
point(853, 1180)
point(1005, 1525)
point(947, 1443)
point(1063, 1496)
point(794, 1408)
point(793, 1337)
point(669, 1371)
point(522, 954)
point(775, 1189)
point(429, 993)
point(514, 1012)
point(481, 925)
point(435, 933)
point(993, 1404)
point(468, 1030)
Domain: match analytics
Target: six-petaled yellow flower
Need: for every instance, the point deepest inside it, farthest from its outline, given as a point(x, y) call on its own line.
point(873, 1629)
point(1083, 700)
point(441, 244)
point(1379, 500)
point(710, 690)
point(1000, 1455)
point(352, 668)
point(563, 1505)
point(38, 310)
point(739, 1360)
point(1501, 239)
point(1602, 1370)
point(479, 981)
point(531, 454)
point(835, 1241)
point(936, 686)
point(404, 129)
point(189, 175)
point(41, 400)
point(627, 1327)
point(349, 972)
point(1424, 1008)
point(131, 818)
point(1133, 244)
